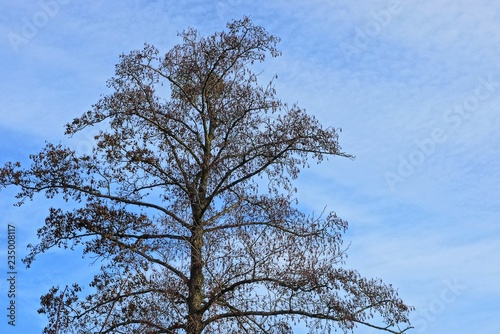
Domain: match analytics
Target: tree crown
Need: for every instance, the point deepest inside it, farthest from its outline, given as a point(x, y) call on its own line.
point(171, 199)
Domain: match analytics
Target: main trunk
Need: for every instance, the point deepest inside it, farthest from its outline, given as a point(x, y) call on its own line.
point(199, 203)
point(194, 320)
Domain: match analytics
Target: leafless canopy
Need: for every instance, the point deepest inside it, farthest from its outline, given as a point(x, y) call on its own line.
point(188, 201)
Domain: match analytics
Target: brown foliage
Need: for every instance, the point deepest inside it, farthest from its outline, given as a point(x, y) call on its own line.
point(189, 203)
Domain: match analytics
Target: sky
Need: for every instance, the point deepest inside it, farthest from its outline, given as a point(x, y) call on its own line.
point(414, 85)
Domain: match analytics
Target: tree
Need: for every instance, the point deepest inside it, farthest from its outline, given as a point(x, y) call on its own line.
point(189, 204)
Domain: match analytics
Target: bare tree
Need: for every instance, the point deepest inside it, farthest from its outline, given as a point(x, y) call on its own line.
point(188, 201)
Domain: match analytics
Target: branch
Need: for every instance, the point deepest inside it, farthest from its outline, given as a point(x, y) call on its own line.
point(237, 313)
point(133, 249)
point(59, 309)
point(118, 199)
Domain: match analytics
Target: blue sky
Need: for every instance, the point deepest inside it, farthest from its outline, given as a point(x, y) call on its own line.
point(414, 85)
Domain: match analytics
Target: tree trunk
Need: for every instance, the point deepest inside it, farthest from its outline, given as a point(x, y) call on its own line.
point(194, 321)
point(194, 324)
